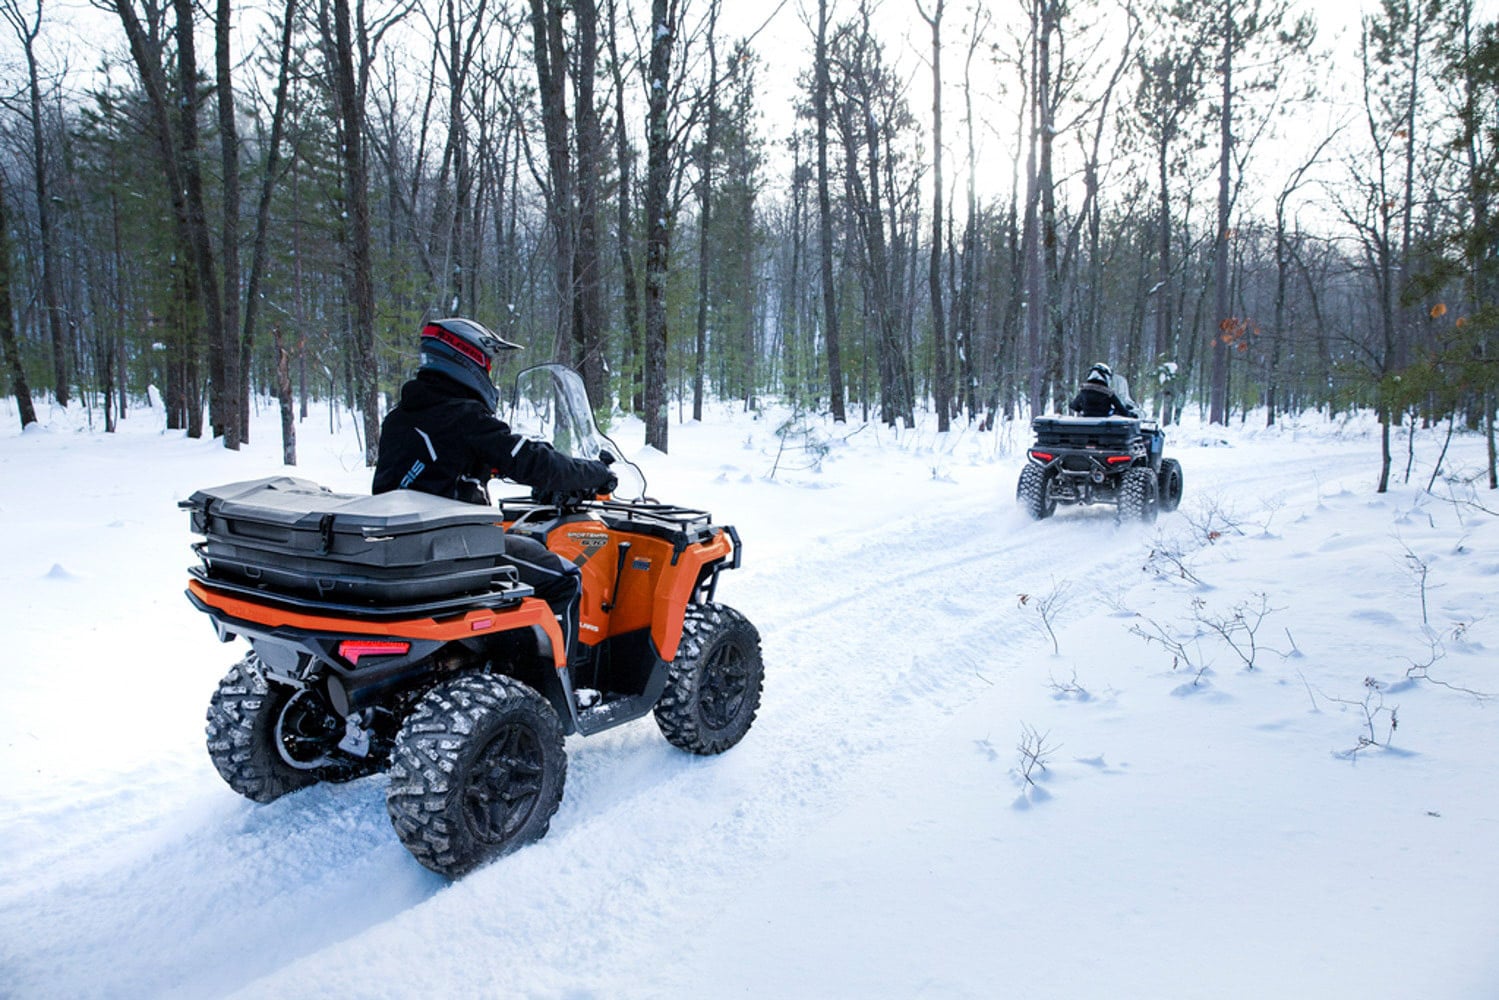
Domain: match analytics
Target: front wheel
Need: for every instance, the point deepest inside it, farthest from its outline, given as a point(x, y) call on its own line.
point(1032, 492)
point(713, 687)
point(1170, 481)
point(477, 771)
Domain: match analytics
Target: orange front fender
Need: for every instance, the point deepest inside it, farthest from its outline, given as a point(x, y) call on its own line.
point(674, 593)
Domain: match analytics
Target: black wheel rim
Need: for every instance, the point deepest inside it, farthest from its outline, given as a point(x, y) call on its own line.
point(725, 681)
point(504, 784)
point(307, 731)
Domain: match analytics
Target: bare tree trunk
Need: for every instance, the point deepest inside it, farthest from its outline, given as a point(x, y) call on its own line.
point(1037, 294)
point(297, 285)
point(1488, 432)
point(705, 202)
point(965, 337)
point(550, 54)
point(284, 398)
point(200, 244)
point(658, 239)
point(359, 269)
point(117, 248)
point(183, 402)
point(825, 223)
point(1418, 30)
point(236, 377)
point(1165, 341)
point(1218, 390)
point(263, 215)
point(27, 33)
point(790, 313)
point(631, 292)
point(1047, 305)
point(465, 35)
point(942, 389)
point(588, 322)
point(881, 276)
point(1384, 448)
point(18, 382)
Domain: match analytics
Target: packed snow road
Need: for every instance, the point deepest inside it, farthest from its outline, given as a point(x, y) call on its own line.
point(887, 590)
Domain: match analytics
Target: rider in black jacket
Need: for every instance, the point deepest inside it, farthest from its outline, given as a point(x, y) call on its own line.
point(443, 438)
point(1096, 397)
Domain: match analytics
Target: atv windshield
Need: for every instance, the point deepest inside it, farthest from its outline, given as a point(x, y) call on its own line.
point(550, 404)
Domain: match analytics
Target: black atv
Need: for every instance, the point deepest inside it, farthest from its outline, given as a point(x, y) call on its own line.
point(1088, 460)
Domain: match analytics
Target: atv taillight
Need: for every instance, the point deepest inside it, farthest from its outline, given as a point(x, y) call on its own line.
point(353, 649)
point(1116, 459)
point(1041, 456)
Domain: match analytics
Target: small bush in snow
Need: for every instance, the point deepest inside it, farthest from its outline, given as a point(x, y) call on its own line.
point(1034, 752)
point(1378, 718)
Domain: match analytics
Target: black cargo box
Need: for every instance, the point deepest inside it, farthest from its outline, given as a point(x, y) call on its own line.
point(293, 536)
point(1107, 433)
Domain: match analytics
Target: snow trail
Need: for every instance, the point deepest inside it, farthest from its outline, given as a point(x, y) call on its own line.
point(887, 597)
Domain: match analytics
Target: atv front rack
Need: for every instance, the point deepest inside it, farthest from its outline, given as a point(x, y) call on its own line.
point(681, 526)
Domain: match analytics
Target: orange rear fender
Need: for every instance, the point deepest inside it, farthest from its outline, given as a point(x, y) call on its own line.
point(530, 613)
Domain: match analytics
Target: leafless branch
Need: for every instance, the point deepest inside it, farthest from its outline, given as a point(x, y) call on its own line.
point(1034, 752)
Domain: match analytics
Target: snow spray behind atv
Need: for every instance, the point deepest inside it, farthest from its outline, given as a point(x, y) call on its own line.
point(1089, 460)
point(389, 633)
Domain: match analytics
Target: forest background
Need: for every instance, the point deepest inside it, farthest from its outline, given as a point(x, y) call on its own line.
point(866, 210)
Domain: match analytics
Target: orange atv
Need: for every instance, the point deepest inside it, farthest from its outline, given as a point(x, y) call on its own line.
point(389, 633)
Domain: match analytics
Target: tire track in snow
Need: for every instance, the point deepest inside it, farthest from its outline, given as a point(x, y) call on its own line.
point(649, 842)
point(839, 697)
point(834, 676)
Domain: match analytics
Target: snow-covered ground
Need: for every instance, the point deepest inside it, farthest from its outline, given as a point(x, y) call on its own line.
point(1260, 739)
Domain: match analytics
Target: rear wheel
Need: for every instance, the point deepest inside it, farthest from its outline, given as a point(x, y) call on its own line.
point(713, 687)
point(1139, 496)
point(1170, 481)
point(478, 771)
point(1032, 492)
point(268, 739)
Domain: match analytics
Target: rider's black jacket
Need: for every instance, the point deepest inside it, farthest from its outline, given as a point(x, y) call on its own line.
point(1094, 400)
point(441, 439)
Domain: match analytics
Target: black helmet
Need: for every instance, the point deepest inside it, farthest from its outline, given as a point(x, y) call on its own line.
point(1100, 373)
point(464, 351)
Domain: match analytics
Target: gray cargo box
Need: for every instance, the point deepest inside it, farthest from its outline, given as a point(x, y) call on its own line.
point(293, 536)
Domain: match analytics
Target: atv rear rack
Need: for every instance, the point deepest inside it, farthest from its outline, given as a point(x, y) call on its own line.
point(505, 595)
point(1092, 433)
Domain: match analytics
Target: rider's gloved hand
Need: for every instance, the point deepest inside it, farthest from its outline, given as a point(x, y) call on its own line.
point(598, 477)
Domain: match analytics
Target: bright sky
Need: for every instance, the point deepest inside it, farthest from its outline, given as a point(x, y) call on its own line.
point(785, 42)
